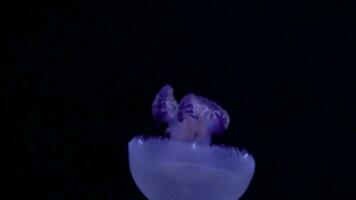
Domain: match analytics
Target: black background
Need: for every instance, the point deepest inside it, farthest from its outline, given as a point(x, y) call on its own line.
point(83, 75)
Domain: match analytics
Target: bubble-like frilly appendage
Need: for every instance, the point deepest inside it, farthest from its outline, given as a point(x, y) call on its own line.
point(186, 166)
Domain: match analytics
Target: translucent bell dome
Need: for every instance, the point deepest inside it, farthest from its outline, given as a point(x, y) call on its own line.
point(166, 169)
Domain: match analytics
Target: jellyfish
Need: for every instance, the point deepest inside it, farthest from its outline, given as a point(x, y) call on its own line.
point(185, 165)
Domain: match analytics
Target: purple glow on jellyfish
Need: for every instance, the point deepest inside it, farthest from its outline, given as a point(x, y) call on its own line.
point(193, 120)
point(186, 166)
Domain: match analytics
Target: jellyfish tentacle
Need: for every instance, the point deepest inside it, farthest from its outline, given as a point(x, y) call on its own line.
point(214, 113)
point(188, 107)
point(195, 118)
point(205, 117)
point(165, 107)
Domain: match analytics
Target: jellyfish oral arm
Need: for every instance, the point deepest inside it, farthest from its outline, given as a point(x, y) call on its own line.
point(194, 119)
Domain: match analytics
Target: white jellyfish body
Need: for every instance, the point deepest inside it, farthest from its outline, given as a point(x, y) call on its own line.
point(186, 166)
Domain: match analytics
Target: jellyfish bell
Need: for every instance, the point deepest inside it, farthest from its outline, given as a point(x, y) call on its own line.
point(185, 166)
point(166, 169)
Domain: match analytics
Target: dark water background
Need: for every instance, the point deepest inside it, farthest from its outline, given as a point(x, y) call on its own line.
point(82, 76)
